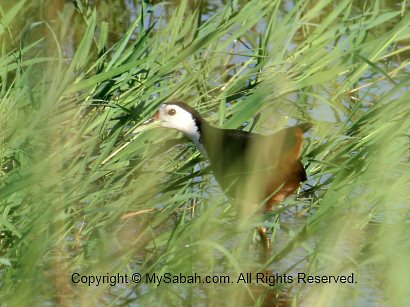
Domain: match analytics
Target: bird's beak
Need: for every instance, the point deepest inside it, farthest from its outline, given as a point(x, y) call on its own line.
point(153, 119)
point(151, 123)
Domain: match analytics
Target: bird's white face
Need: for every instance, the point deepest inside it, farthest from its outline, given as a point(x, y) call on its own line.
point(176, 117)
point(173, 116)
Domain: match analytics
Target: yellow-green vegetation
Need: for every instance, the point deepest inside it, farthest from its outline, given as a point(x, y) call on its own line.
point(80, 194)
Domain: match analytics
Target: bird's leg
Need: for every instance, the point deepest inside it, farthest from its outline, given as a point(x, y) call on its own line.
point(265, 240)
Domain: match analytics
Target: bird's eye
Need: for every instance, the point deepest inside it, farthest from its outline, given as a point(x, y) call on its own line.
point(171, 112)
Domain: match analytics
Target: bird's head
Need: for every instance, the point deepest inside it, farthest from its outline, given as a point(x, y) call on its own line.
point(178, 115)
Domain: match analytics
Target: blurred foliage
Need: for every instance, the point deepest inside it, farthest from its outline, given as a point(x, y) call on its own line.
point(79, 193)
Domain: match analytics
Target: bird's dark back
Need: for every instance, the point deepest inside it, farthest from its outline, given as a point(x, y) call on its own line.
point(238, 157)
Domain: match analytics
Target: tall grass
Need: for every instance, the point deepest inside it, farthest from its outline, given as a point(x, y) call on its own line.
point(79, 193)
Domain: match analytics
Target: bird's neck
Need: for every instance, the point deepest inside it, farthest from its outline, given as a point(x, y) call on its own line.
point(197, 136)
point(200, 135)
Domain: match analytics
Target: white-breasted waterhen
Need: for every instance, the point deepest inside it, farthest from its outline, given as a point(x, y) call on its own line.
point(250, 167)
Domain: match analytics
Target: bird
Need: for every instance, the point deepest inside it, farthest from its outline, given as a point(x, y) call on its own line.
point(251, 168)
